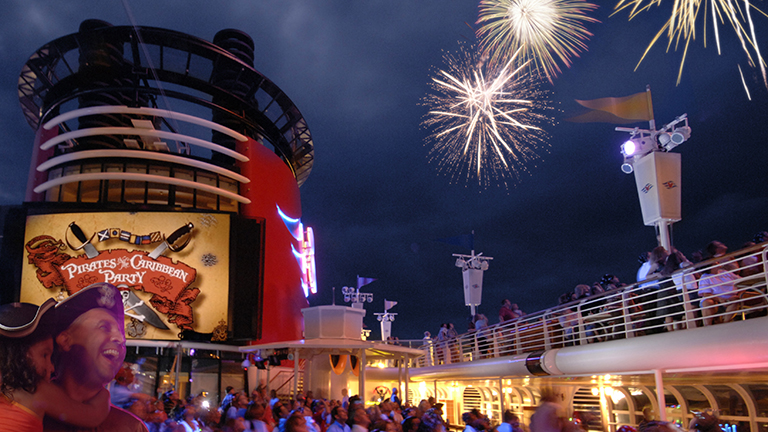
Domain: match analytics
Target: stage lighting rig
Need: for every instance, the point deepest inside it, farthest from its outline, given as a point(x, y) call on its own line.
point(645, 141)
point(672, 135)
point(657, 173)
point(473, 262)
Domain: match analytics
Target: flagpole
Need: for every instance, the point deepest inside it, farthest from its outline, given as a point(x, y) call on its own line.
point(652, 121)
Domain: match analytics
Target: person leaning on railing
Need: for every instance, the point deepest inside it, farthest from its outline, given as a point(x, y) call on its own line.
point(717, 286)
point(483, 345)
point(442, 349)
point(568, 319)
point(669, 297)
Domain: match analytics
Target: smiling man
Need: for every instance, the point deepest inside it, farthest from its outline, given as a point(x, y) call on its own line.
point(90, 349)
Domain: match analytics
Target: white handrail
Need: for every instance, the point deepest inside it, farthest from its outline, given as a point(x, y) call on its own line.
point(122, 109)
point(139, 177)
point(142, 132)
point(138, 154)
point(651, 306)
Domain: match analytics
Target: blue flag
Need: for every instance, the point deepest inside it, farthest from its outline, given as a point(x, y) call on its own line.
point(363, 281)
point(465, 240)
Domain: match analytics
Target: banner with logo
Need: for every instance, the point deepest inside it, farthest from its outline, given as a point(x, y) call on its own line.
point(172, 268)
point(473, 286)
point(657, 176)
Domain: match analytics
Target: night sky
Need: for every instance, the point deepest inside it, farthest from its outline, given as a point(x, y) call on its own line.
point(357, 71)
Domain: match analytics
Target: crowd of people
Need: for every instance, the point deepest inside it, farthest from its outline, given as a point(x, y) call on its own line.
point(239, 412)
point(662, 275)
point(81, 341)
point(657, 306)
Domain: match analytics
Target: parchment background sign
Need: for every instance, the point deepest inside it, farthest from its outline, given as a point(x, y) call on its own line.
point(188, 289)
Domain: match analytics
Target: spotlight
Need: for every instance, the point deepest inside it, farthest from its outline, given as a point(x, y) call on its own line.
point(627, 168)
point(628, 148)
point(664, 139)
point(461, 263)
point(638, 146)
point(680, 135)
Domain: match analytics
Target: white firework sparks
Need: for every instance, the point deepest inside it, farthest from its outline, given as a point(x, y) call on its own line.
point(485, 121)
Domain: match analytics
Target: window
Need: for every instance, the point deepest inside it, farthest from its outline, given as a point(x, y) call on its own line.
point(157, 193)
point(142, 191)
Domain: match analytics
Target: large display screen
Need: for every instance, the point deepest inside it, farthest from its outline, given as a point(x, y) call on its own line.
point(172, 268)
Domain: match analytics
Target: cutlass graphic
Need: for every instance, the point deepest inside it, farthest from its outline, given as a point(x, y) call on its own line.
point(169, 243)
point(90, 250)
point(135, 308)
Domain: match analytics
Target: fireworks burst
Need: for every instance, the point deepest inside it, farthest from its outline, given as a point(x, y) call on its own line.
point(682, 21)
point(484, 121)
point(547, 30)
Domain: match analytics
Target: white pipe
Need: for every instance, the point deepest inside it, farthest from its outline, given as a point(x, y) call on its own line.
point(742, 345)
point(739, 343)
point(502, 366)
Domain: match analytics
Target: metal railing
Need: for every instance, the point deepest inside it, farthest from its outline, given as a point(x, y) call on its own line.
point(286, 379)
point(719, 290)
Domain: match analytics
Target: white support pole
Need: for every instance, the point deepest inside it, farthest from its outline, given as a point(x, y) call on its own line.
point(405, 397)
point(501, 398)
point(665, 239)
point(660, 395)
point(308, 367)
point(400, 375)
point(295, 373)
point(179, 354)
point(362, 375)
point(652, 121)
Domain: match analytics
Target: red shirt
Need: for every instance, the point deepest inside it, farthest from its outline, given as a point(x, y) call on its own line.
point(506, 314)
point(16, 417)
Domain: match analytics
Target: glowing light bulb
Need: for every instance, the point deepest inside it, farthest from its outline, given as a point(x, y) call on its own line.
point(629, 148)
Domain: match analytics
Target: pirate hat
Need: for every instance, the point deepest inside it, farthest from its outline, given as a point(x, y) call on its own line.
point(99, 295)
point(21, 319)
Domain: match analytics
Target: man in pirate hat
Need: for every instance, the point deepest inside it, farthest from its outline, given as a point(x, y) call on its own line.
point(90, 349)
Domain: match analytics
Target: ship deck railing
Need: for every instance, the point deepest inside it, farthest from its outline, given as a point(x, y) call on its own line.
point(655, 305)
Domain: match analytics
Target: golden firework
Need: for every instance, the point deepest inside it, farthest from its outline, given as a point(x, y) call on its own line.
point(681, 25)
point(548, 31)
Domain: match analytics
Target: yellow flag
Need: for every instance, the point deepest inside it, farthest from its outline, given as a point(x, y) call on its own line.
point(627, 109)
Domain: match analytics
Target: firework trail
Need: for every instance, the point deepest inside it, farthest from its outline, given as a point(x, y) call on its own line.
point(681, 25)
point(549, 31)
point(484, 121)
